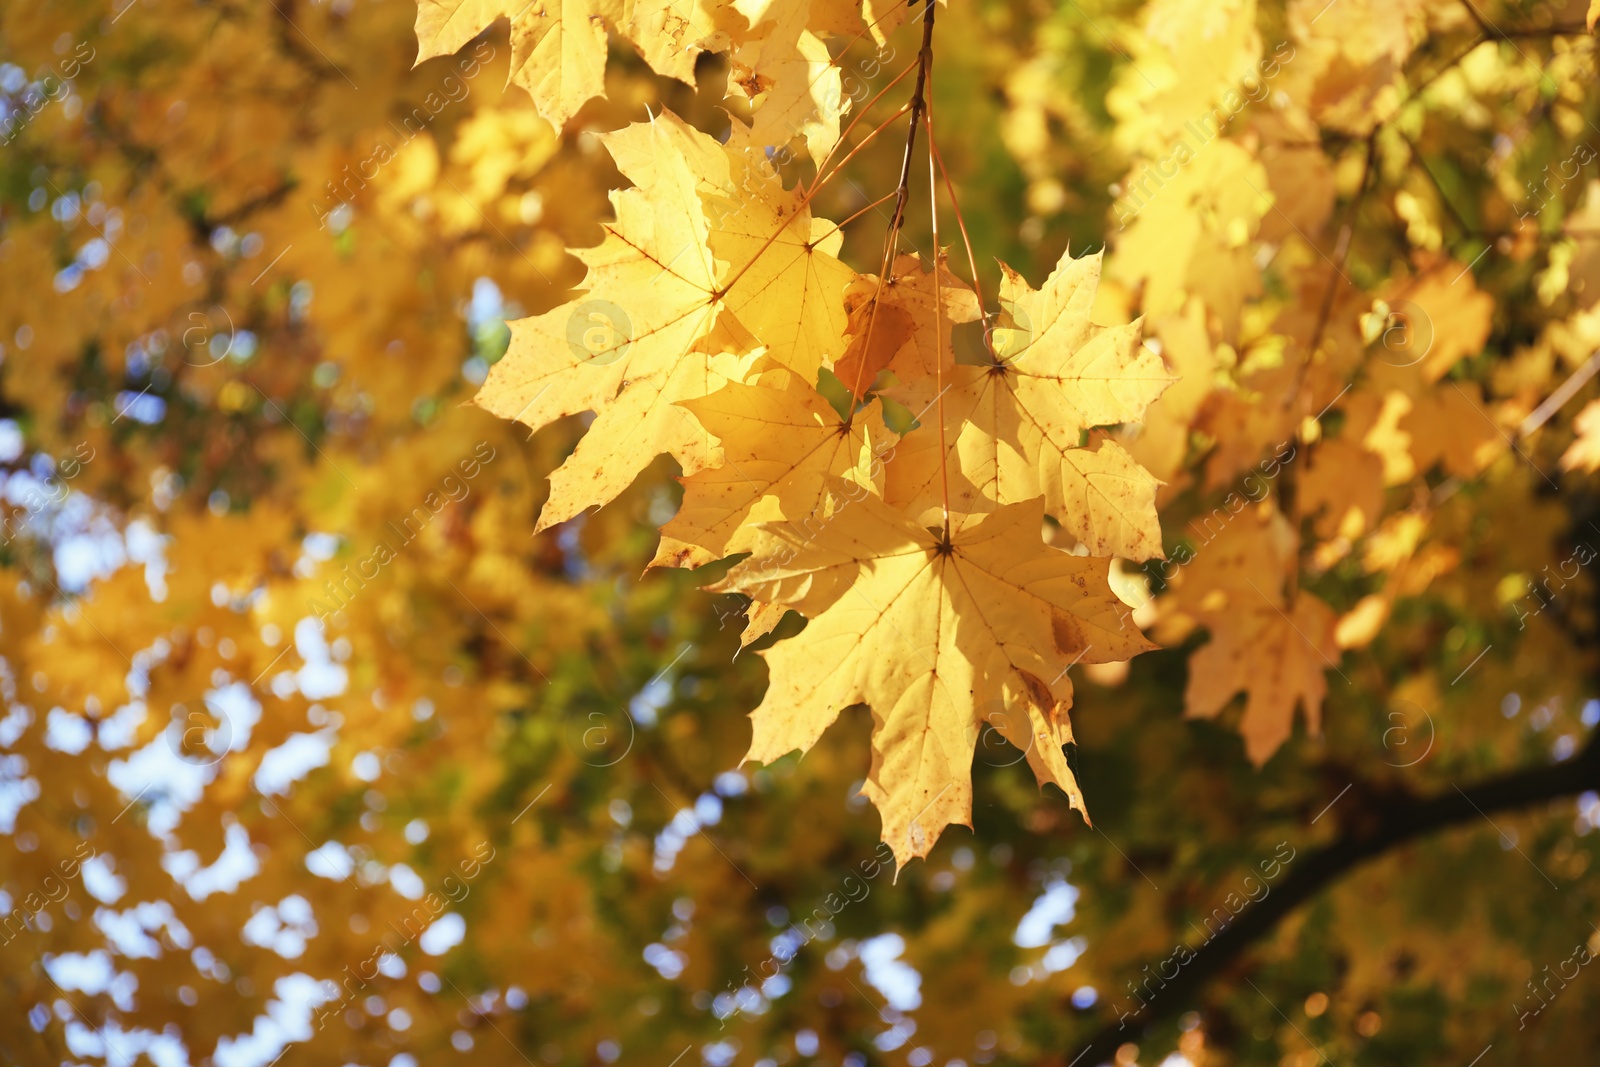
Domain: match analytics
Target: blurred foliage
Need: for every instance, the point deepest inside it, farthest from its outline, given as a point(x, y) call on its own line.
point(237, 347)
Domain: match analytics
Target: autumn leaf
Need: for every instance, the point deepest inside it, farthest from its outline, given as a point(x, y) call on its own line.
point(1437, 319)
point(1017, 427)
point(789, 76)
point(925, 632)
point(851, 18)
point(1450, 427)
point(777, 265)
point(878, 328)
point(1271, 647)
point(895, 324)
point(1278, 658)
point(672, 34)
point(558, 47)
point(782, 446)
point(636, 343)
point(1343, 487)
point(654, 327)
point(1185, 236)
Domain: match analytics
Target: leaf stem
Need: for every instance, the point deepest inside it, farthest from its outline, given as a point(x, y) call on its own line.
point(848, 219)
point(891, 239)
point(822, 179)
point(938, 340)
point(861, 114)
point(805, 202)
point(966, 240)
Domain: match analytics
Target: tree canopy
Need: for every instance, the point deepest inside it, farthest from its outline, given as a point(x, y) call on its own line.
point(770, 532)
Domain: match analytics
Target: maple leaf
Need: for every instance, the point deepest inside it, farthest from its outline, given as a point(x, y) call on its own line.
point(782, 446)
point(894, 323)
point(558, 47)
point(1195, 54)
point(1448, 426)
point(1439, 317)
point(789, 76)
point(1016, 427)
point(1300, 179)
point(1186, 235)
point(1278, 658)
point(636, 343)
point(1275, 652)
point(672, 312)
point(671, 34)
point(1240, 554)
point(926, 633)
point(1163, 441)
point(878, 327)
point(1350, 56)
point(778, 268)
point(850, 18)
point(1343, 486)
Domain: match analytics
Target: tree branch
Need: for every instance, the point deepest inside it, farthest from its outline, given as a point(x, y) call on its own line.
point(1398, 824)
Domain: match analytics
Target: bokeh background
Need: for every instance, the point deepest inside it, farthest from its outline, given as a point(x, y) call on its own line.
point(271, 795)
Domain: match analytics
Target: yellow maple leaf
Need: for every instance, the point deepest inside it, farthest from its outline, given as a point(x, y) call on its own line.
point(1343, 487)
point(558, 47)
point(1438, 317)
point(1299, 176)
point(1190, 233)
point(1015, 428)
point(850, 18)
point(1277, 658)
point(1449, 426)
point(634, 344)
point(789, 76)
point(671, 34)
point(782, 446)
point(1348, 57)
point(1163, 441)
point(904, 332)
point(929, 633)
point(1227, 558)
point(659, 322)
point(778, 266)
point(1233, 584)
point(1188, 68)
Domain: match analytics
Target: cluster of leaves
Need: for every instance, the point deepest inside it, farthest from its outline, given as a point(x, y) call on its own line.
point(919, 557)
point(279, 649)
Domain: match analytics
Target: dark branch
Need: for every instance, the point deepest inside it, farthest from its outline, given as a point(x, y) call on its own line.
point(919, 103)
point(1310, 875)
